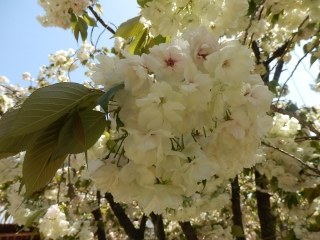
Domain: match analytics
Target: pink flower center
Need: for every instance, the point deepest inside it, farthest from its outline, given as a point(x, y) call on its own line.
point(170, 62)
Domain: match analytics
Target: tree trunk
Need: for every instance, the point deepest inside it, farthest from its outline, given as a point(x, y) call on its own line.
point(236, 205)
point(267, 221)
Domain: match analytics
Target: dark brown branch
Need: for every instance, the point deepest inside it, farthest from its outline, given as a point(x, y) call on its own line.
point(301, 139)
point(315, 170)
point(98, 217)
point(236, 205)
point(143, 223)
point(158, 226)
point(278, 71)
point(267, 221)
point(124, 220)
point(99, 19)
point(256, 50)
point(278, 53)
point(301, 121)
point(250, 22)
point(188, 230)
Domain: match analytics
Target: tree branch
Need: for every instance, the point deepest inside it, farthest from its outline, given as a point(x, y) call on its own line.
point(291, 114)
point(188, 230)
point(124, 220)
point(278, 71)
point(99, 19)
point(301, 139)
point(236, 205)
point(143, 223)
point(158, 226)
point(98, 217)
point(250, 23)
point(315, 170)
point(278, 53)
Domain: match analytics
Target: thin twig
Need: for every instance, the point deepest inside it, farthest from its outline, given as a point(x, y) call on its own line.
point(259, 17)
point(250, 23)
point(95, 46)
point(301, 139)
point(286, 46)
point(291, 114)
point(13, 92)
point(91, 33)
point(295, 68)
point(99, 19)
point(292, 156)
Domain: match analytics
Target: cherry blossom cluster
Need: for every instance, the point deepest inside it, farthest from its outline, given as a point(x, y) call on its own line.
point(170, 18)
point(193, 116)
point(289, 173)
point(58, 12)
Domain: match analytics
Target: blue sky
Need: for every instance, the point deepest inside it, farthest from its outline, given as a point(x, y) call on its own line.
point(25, 44)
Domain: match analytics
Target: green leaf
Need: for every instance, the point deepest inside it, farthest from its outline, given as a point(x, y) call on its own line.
point(274, 18)
point(79, 131)
point(290, 236)
point(90, 20)
point(142, 3)
point(273, 86)
point(315, 145)
point(37, 168)
point(99, 8)
point(291, 107)
point(13, 145)
point(73, 18)
point(138, 43)
point(252, 7)
point(318, 221)
point(7, 120)
point(291, 199)
point(119, 122)
point(48, 104)
point(155, 41)
point(83, 27)
point(313, 58)
point(274, 184)
point(305, 48)
point(33, 217)
point(130, 28)
point(94, 124)
point(34, 231)
point(237, 231)
point(311, 193)
point(103, 101)
point(76, 31)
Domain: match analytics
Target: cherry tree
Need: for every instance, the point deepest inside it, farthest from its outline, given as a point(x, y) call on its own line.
point(181, 133)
